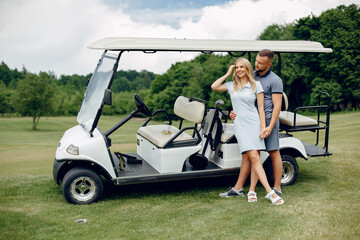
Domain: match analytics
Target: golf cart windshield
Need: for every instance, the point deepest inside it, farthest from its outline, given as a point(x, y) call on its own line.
point(91, 107)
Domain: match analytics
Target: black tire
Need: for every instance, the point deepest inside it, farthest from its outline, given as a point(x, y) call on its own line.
point(82, 186)
point(290, 170)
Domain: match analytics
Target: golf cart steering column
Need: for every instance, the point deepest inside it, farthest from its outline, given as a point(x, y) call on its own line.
point(122, 122)
point(140, 107)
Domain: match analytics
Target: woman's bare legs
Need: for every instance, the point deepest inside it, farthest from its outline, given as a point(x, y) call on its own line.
point(244, 172)
point(258, 169)
point(253, 181)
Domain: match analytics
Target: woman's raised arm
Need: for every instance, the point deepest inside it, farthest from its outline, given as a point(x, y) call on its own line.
point(218, 84)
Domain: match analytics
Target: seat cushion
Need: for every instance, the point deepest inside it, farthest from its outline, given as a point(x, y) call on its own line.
point(228, 132)
point(287, 118)
point(159, 135)
point(189, 110)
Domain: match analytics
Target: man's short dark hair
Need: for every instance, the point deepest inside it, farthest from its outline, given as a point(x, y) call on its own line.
point(266, 53)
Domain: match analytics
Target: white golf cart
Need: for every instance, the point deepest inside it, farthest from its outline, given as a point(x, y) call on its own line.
point(167, 152)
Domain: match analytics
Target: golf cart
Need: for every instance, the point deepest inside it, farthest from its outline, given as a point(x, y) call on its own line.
point(207, 148)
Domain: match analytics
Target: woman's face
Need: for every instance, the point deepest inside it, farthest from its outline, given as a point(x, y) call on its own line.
point(240, 69)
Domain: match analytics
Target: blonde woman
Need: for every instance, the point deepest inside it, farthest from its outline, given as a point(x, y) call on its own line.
point(249, 124)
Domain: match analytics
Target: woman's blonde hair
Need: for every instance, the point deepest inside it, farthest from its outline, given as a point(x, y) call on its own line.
point(249, 73)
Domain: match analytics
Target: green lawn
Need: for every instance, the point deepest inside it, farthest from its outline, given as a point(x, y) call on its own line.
point(322, 204)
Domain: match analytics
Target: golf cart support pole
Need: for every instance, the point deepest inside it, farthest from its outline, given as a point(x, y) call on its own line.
point(122, 122)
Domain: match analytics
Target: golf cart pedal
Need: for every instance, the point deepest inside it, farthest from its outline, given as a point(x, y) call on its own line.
point(122, 164)
point(131, 159)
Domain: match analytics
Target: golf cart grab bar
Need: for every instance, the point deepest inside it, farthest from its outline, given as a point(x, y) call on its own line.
point(199, 100)
point(171, 143)
point(318, 107)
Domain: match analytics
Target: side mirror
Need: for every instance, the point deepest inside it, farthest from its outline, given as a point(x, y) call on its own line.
point(219, 102)
point(107, 97)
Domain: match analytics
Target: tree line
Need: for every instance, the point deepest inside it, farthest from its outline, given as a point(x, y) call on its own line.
point(304, 75)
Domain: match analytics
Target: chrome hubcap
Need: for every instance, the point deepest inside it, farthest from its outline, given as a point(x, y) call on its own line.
point(83, 188)
point(288, 172)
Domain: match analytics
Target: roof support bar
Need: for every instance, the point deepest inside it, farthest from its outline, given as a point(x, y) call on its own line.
point(279, 64)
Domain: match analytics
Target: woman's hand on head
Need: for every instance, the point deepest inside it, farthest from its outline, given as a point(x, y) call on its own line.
point(231, 68)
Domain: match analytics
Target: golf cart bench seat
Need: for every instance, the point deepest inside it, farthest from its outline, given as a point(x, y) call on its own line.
point(161, 135)
point(293, 121)
point(228, 132)
point(287, 118)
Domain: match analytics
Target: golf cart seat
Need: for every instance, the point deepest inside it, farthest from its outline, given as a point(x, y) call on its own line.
point(159, 135)
point(295, 122)
point(228, 133)
point(166, 147)
point(291, 120)
point(163, 136)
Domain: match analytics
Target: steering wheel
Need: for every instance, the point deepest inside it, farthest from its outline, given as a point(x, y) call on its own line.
point(141, 106)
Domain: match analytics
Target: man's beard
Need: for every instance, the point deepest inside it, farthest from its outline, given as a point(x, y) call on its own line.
point(261, 70)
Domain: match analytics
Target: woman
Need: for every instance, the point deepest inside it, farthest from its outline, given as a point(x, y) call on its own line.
point(249, 124)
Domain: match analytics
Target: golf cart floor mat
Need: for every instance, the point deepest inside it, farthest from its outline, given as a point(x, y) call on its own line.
point(133, 169)
point(189, 168)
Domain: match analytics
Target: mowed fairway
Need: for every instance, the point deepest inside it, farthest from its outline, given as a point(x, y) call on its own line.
point(322, 204)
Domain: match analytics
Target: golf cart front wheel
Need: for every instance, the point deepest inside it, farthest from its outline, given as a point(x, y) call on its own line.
point(82, 186)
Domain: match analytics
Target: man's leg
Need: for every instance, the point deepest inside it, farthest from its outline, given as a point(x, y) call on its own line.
point(277, 168)
point(273, 146)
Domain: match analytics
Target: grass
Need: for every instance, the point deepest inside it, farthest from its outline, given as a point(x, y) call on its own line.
point(322, 204)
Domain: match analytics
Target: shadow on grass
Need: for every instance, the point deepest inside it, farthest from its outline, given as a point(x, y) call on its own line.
point(314, 171)
point(309, 173)
point(112, 192)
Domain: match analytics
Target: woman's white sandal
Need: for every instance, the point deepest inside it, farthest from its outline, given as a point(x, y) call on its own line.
point(252, 196)
point(277, 201)
point(279, 193)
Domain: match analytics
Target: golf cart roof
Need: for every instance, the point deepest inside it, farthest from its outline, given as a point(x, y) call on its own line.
point(207, 45)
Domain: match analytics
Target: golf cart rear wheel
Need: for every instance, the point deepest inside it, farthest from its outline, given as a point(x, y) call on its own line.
point(82, 186)
point(290, 170)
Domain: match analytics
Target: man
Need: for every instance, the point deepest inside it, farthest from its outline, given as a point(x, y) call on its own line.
point(273, 88)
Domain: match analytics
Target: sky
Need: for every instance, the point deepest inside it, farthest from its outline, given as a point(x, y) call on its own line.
point(53, 35)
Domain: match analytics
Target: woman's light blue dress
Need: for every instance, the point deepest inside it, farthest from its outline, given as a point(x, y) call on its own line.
point(247, 121)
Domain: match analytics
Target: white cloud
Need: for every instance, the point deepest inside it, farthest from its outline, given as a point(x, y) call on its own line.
point(52, 35)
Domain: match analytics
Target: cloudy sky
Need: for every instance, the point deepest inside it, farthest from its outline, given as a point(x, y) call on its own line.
point(53, 35)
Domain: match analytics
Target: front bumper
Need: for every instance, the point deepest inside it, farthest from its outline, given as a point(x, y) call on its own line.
point(56, 168)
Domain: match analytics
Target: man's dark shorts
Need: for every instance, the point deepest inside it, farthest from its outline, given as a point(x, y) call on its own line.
point(272, 142)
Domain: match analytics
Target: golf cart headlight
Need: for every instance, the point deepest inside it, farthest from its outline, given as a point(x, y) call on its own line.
point(73, 150)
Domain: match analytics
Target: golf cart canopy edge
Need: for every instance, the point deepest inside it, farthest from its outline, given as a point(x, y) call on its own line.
point(207, 45)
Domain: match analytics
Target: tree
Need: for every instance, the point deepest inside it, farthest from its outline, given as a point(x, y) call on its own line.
point(35, 96)
point(338, 29)
point(3, 103)
point(5, 74)
point(304, 75)
point(160, 83)
point(278, 32)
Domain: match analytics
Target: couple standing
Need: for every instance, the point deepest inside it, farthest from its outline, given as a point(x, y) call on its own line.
point(255, 129)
